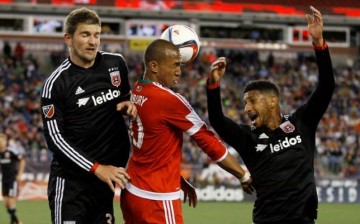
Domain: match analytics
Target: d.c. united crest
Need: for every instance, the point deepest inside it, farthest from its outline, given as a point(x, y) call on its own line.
point(287, 127)
point(115, 78)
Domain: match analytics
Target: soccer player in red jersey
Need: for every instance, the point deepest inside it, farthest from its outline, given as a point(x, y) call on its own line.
point(153, 194)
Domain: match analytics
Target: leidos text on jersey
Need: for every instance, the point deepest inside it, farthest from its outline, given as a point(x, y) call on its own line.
point(104, 97)
point(285, 144)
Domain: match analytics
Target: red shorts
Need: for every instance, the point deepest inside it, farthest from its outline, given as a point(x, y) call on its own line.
point(137, 210)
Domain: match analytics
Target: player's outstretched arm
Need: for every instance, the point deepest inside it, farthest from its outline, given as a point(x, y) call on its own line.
point(231, 165)
point(189, 192)
point(111, 174)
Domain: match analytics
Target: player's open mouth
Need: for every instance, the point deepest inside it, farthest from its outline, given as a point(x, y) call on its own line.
point(252, 117)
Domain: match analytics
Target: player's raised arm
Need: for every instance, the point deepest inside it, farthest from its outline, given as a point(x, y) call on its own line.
point(315, 26)
point(217, 71)
point(321, 96)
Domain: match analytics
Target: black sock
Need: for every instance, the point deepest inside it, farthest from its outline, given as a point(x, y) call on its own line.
point(12, 212)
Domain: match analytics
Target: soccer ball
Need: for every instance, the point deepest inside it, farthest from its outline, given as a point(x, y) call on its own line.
point(185, 39)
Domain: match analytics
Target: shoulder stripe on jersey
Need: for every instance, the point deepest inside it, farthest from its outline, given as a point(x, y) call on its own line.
point(110, 53)
point(50, 81)
point(70, 152)
point(192, 116)
point(180, 97)
point(59, 194)
point(51, 77)
point(197, 123)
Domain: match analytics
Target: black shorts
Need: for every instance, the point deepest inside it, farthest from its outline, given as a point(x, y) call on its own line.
point(10, 188)
point(305, 221)
point(80, 202)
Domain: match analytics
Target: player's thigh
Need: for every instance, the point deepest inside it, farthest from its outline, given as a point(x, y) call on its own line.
point(140, 210)
point(10, 188)
point(102, 212)
point(76, 202)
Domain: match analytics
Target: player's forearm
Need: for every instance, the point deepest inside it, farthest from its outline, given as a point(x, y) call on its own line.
point(21, 169)
point(231, 165)
point(324, 63)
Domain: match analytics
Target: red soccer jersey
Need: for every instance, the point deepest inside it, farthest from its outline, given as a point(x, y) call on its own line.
point(157, 136)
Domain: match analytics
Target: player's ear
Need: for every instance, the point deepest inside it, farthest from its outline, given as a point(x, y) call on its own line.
point(67, 39)
point(273, 100)
point(154, 67)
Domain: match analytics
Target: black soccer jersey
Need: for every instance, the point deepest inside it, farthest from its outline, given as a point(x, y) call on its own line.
point(81, 124)
point(9, 162)
point(281, 160)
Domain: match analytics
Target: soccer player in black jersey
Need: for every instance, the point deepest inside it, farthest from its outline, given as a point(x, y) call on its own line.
point(83, 102)
point(278, 149)
point(12, 163)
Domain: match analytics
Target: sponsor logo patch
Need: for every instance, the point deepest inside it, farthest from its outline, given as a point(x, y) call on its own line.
point(48, 110)
point(287, 127)
point(138, 88)
point(82, 101)
point(79, 90)
point(286, 143)
point(260, 147)
point(263, 136)
point(115, 78)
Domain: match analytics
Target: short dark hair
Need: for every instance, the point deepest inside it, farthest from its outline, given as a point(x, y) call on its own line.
point(156, 50)
point(263, 86)
point(81, 15)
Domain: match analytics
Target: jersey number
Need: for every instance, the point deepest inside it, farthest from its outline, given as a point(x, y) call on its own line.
point(137, 132)
point(109, 218)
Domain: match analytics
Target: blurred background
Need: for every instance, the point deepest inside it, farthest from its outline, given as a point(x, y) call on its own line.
point(260, 40)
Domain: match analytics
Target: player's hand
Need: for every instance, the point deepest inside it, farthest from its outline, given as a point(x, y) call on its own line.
point(247, 186)
point(217, 70)
point(315, 25)
point(18, 178)
point(128, 108)
point(112, 175)
point(189, 192)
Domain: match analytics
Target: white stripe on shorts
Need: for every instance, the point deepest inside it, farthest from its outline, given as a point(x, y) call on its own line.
point(169, 212)
point(59, 189)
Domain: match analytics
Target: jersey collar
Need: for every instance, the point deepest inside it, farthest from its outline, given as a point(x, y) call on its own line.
point(144, 81)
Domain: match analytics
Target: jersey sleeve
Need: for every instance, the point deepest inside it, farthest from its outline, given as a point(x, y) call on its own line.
point(319, 100)
point(228, 130)
point(125, 84)
point(52, 106)
point(180, 114)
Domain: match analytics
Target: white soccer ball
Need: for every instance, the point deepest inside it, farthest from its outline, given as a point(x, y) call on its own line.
point(186, 39)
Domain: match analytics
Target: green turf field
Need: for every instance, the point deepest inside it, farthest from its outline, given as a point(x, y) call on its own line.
point(37, 212)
